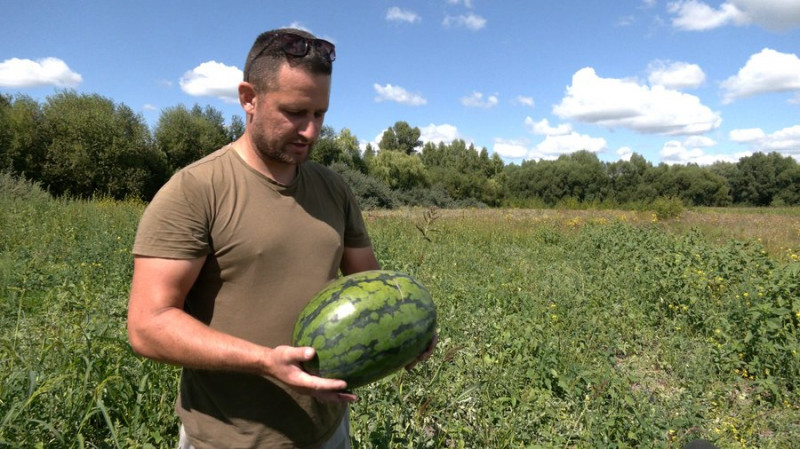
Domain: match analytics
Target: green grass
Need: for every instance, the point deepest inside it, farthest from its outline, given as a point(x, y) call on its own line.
point(603, 329)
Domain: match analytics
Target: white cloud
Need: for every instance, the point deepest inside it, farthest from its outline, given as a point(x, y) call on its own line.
point(555, 145)
point(467, 3)
point(746, 135)
point(612, 103)
point(675, 75)
point(625, 153)
point(213, 79)
point(771, 14)
point(699, 142)
point(694, 15)
point(149, 107)
point(298, 26)
point(398, 95)
point(395, 14)
point(21, 73)
point(510, 149)
point(626, 21)
point(675, 152)
point(786, 140)
point(543, 127)
point(550, 148)
point(525, 101)
point(439, 133)
point(476, 101)
point(470, 21)
point(766, 71)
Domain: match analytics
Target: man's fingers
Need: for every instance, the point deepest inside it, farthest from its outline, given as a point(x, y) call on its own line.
point(315, 383)
point(292, 354)
point(425, 354)
point(290, 358)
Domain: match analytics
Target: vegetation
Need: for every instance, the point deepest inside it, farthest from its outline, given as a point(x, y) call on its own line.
point(558, 328)
point(86, 145)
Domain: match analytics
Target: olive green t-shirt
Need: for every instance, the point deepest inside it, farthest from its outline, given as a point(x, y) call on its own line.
point(269, 248)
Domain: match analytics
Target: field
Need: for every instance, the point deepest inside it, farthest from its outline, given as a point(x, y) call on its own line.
point(559, 329)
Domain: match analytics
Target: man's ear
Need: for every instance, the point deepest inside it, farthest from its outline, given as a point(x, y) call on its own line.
point(247, 97)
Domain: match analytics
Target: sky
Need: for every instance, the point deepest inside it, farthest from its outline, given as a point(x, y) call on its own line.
point(675, 81)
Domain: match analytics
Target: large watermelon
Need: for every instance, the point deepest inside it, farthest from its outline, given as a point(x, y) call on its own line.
point(365, 326)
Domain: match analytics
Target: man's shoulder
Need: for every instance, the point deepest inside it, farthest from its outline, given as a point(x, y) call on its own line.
point(209, 170)
point(318, 171)
point(211, 160)
point(199, 177)
point(317, 168)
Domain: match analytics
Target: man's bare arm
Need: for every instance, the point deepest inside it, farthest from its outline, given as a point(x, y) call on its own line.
point(158, 328)
point(355, 260)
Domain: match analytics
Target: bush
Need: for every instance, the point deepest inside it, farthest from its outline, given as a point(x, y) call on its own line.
point(21, 189)
point(667, 207)
point(427, 197)
point(370, 193)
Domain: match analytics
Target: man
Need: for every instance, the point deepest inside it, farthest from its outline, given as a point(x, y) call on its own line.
point(232, 248)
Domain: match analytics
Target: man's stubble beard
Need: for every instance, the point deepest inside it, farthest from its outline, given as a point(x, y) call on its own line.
point(266, 153)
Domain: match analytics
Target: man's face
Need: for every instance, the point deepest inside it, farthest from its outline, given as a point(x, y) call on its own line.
point(287, 119)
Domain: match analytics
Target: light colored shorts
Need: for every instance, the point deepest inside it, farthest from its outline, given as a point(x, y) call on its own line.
point(339, 440)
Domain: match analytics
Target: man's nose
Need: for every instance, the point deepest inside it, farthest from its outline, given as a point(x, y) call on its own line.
point(308, 128)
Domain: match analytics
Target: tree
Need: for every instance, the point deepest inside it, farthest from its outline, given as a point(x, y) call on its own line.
point(698, 186)
point(185, 136)
point(407, 137)
point(326, 151)
point(432, 155)
point(398, 170)
point(627, 178)
point(789, 182)
point(463, 172)
point(236, 128)
point(369, 154)
point(5, 130)
point(97, 147)
point(331, 148)
point(348, 145)
point(21, 148)
point(759, 179)
point(401, 137)
point(584, 176)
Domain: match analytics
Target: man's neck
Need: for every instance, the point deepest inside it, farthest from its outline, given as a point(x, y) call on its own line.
point(277, 171)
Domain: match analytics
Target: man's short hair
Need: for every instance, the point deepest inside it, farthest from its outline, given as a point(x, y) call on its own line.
point(266, 58)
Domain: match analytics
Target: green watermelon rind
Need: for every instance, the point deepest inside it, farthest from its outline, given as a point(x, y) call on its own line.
point(366, 325)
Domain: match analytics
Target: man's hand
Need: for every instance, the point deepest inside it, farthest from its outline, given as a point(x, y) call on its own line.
point(427, 353)
point(284, 365)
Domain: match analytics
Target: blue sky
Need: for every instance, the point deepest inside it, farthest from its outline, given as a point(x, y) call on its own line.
point(676, 81)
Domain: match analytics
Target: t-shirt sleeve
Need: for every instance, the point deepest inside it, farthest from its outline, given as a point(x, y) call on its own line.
point(355, 233)
point(175, 224)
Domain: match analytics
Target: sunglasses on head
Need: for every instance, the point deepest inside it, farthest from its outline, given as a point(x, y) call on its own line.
point(299, 46)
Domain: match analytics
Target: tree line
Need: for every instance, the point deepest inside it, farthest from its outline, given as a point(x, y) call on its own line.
point(86, 145)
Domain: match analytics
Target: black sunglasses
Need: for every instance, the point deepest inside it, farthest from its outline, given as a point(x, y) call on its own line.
point(298, 46)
